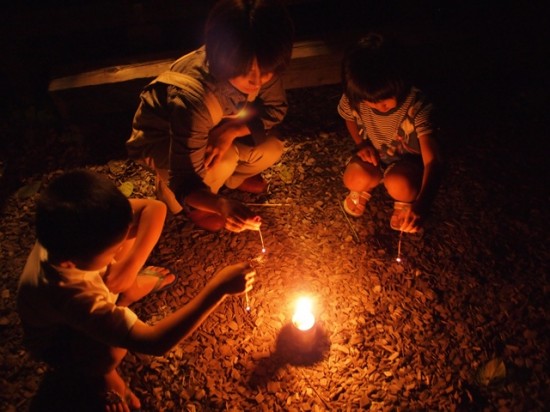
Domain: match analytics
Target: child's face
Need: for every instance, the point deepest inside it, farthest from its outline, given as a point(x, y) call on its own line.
point(102, 259)
point(383, 106)
point(251, 82)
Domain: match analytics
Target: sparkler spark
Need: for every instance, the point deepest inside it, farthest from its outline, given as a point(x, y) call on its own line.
point(247, 307)
point(398, 258)
point(261, 240)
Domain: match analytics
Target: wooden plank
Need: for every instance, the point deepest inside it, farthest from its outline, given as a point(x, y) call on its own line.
point(151, 69)
point(83, 95)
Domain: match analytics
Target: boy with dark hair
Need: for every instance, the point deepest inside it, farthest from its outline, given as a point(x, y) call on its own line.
point(210, 121)
point(391, 123)
point(84, 271)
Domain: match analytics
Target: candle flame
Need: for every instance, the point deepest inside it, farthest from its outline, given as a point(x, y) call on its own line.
point(303, 319)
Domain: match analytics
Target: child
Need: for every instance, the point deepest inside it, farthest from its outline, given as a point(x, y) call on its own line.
point(209, 121)
point(391, 124)
point(84, 271)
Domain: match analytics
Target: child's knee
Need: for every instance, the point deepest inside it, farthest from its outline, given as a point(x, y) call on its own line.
point(355, 174)
point(272, 148)
point(400, 187)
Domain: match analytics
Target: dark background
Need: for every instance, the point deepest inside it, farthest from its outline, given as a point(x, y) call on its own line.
point(479, 60)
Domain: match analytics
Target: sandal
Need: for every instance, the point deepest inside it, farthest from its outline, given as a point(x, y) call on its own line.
point(153, 271)
point(398, 209)
point(354, 203)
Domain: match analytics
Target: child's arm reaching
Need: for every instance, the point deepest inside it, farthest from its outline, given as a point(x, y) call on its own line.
point(220, 140)
point(431, 158)
point(365, 151)
point(164, 335)
point(144, 234)
point(237, 216)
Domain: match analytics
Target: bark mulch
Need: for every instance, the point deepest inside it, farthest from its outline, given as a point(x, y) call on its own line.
point(460, 324)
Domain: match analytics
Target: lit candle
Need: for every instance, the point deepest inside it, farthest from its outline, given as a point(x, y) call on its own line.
point(303, 319)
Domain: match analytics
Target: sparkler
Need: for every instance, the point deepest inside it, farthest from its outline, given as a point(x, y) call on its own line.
point(247, 307)
point(398, 258)
point(261, 240)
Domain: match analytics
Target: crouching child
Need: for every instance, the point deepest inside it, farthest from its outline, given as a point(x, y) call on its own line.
point(86, 267)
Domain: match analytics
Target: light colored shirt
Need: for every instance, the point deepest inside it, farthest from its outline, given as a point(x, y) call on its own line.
point(51, 299)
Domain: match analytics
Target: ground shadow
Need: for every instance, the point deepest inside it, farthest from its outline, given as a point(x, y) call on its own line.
point(61, 391)
point(293, 347)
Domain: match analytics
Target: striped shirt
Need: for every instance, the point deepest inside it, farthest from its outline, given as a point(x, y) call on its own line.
point(396, 132)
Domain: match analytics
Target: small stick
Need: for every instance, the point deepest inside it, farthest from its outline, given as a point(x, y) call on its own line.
point(262, 240)
point(398, 259)
point(349, 223)
point(267, 204)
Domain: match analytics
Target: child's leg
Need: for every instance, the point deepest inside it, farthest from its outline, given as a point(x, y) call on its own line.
point(403, 180)
point(143, 284)
point(255, 159)
point(361, 176)
point(215, 177)
point(153, 279)
point(95, 363)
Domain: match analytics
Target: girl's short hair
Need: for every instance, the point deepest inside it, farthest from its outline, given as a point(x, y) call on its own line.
point(81, 214)
point(237, 31)
point(371, 71)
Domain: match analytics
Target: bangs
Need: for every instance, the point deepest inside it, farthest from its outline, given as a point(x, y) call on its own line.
point(234, 37)
point(376, 91)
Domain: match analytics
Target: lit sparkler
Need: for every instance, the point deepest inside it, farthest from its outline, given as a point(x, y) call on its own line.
point(398, 258)
point(261, 240)
point(247, 307)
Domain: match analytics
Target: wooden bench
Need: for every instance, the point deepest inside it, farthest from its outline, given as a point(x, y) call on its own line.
point(117, 88)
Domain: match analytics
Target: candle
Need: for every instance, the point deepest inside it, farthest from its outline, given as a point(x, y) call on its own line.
point(303, 319)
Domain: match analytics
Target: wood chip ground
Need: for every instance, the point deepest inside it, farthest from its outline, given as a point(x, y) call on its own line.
point(460, 324)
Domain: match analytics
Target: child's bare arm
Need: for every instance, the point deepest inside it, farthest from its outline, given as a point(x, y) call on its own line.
point(144, 233)
point(238, 216)
point(432, 170)
point(366, 152)
point(220, 140)
point(431, 158)
point(164, 335)
point(353, 130)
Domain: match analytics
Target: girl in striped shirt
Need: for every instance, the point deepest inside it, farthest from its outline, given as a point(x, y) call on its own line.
point(390, 122)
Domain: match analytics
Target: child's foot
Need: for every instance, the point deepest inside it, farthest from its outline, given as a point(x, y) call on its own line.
point(116, 395)
point(149, 280)
point(254, 184)
point(354, 203)
point(206, 220)
point(399, 209)
point(165, 195)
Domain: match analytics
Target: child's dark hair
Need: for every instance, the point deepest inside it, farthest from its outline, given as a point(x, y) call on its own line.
point(370, 71)
point(237, 31)
point(81, 214)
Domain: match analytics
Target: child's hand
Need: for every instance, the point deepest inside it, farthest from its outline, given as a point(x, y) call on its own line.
point(368, 154)
point(411, 220)
point(234, 279)
point(238, 217)
point(220, 140)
